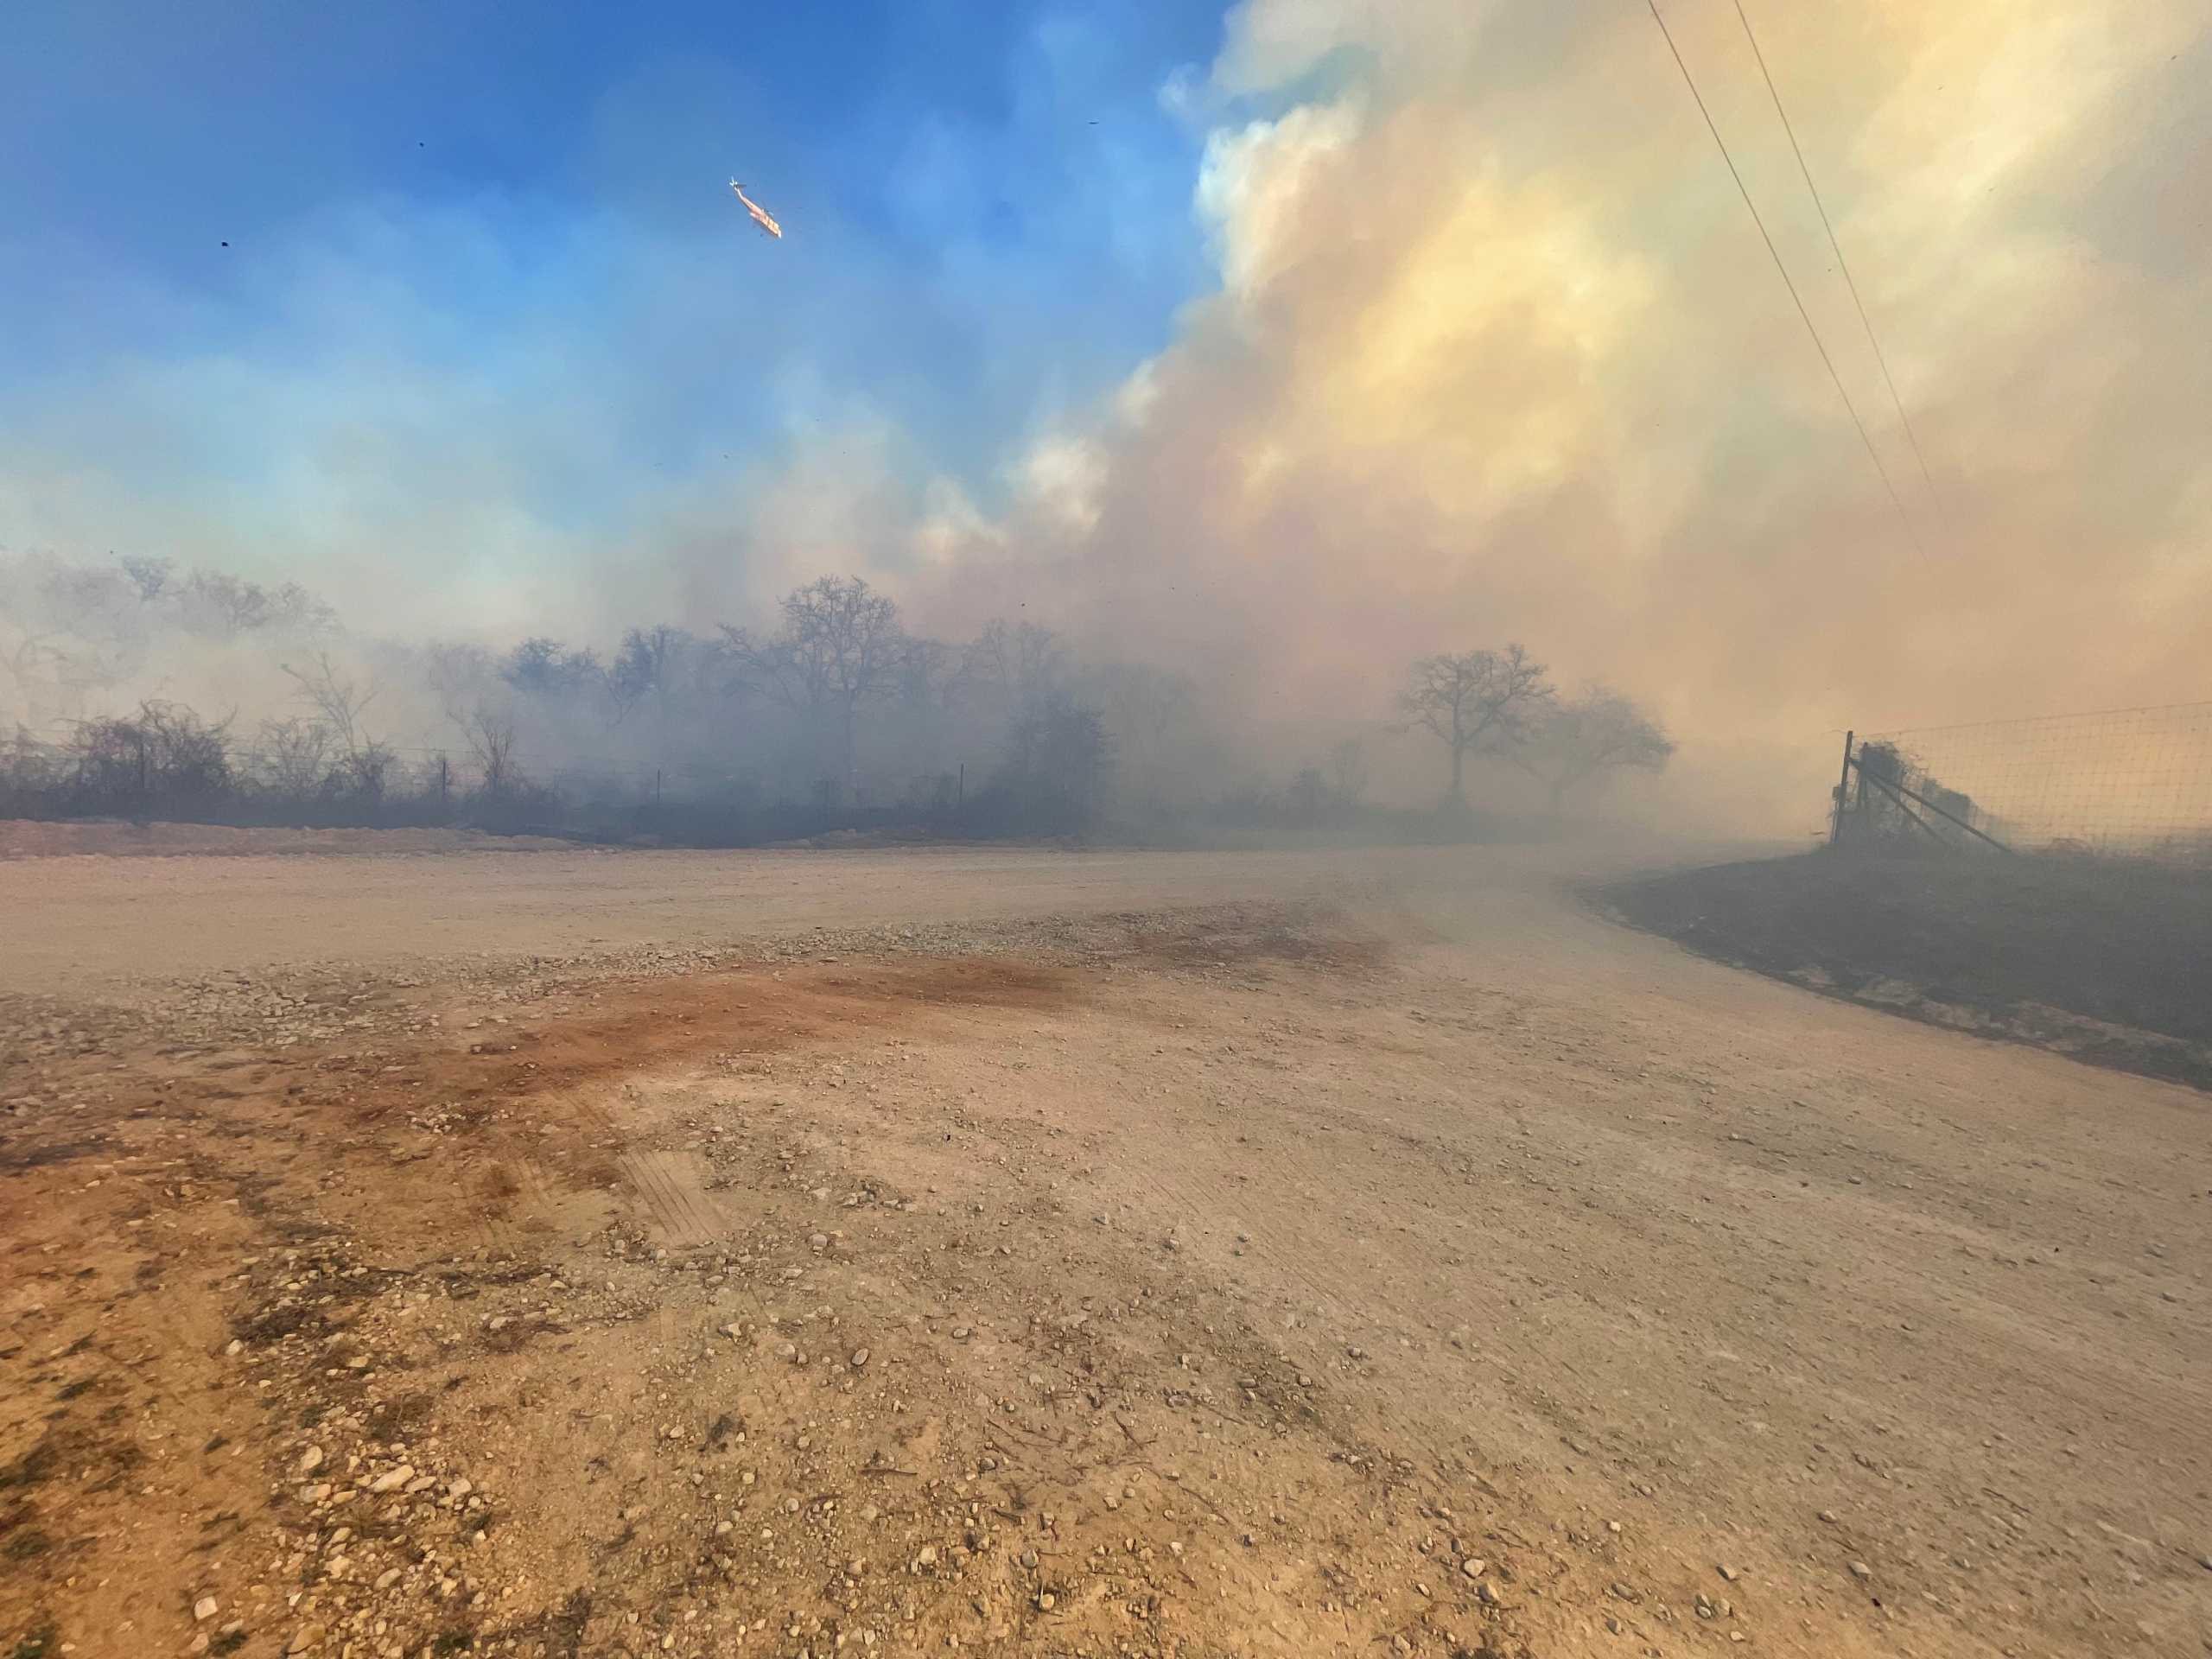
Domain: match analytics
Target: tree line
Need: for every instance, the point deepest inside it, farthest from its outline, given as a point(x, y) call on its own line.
point(835, 712)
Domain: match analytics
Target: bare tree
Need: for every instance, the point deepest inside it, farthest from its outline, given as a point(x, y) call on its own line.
point(840, 648)
point(163, 755)
point(1478, 699)
point(490, 730)
point(217, 603)
point(540, 667)
point(925, 671)
point(1583, 737)
point(292, 757)
point(337, 699)
point(292, 607)
point(1021, 663)
point(647, 670)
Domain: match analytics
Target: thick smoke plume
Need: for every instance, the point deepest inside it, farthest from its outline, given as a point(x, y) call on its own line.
point(1495, 354)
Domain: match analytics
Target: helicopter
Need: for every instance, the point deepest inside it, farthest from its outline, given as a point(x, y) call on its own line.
point(760, 215)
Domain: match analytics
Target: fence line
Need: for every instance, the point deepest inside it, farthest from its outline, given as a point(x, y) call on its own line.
point(2131, 781)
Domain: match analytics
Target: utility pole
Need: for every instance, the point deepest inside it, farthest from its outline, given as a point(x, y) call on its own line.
point(1842, 793)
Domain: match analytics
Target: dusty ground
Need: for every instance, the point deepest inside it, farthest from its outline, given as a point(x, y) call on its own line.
point(1056, 1255)
point(119, 838)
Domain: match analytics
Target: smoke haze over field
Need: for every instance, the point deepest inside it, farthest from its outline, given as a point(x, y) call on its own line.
point(1277, 353)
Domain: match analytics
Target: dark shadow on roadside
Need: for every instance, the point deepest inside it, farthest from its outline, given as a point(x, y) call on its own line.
point(2107, 961)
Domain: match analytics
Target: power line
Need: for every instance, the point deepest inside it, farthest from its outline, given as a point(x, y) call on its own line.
point(1842, 264)
point(1873, 455)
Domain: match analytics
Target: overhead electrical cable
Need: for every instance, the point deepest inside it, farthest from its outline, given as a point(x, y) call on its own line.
point(1873, 455)
point(1842, 264)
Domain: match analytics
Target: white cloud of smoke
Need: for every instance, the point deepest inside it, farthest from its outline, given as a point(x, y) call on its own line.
point(1495, 353)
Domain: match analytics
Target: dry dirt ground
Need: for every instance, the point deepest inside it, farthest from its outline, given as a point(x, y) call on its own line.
point(117, 837)
point(1022, 1253)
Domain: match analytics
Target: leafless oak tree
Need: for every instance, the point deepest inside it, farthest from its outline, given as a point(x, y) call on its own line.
point(1580, 738)
point(840, 648)
point(1476, 701)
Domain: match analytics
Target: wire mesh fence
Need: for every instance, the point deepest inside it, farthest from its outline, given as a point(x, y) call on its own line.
point(2134, 782)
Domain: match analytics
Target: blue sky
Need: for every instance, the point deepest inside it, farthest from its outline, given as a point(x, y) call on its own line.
point(485, 251)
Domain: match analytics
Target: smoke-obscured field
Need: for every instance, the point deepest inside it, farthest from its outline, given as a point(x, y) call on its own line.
point(144, 691)
point(571, 1253)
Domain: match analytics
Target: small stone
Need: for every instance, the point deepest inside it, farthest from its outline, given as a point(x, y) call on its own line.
point(1729, 1574)
point(860, 1358)
point(392, 1480)
point(306, 1639)
point(1473, 1566)
point(961, 1332)
point(1045, 1601)
point(389, 1577)
point(1828, 1515)
point(311, 1459)
point(203, 1608)
point(1860, 1570)
point(1486, 1593)
point(234, 1348)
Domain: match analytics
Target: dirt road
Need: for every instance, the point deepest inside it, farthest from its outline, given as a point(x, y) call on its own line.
point(1340, 1254)
point(87, 922)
